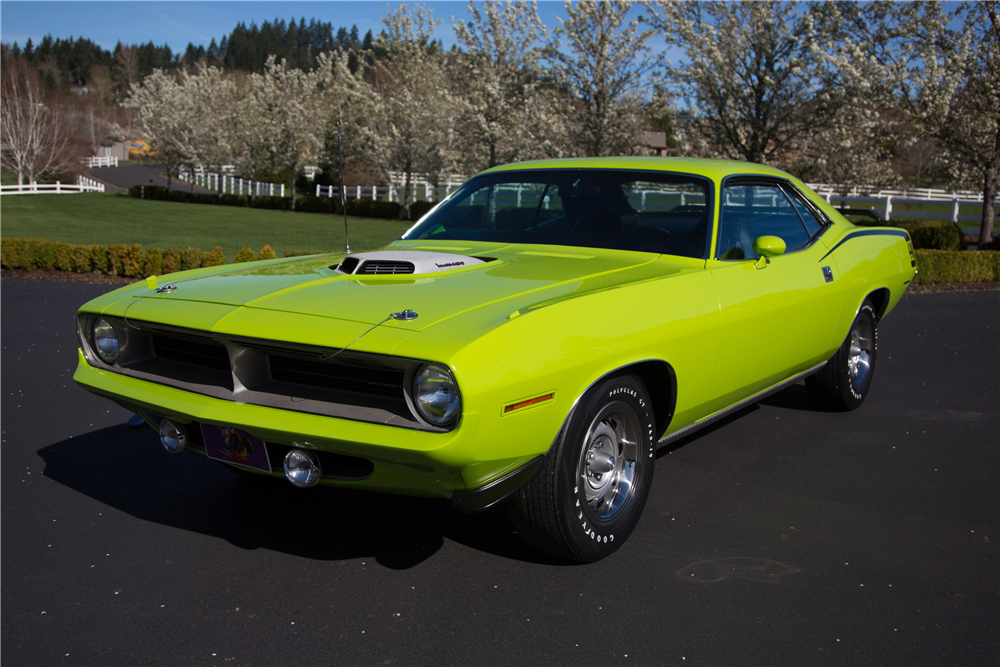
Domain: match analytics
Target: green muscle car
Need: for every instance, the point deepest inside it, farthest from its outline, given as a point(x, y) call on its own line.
point(533, 339)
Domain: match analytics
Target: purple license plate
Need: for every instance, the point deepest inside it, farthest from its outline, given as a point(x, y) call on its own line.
point(232, 445)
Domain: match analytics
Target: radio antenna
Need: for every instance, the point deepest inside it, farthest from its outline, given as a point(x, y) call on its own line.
point(343, 193)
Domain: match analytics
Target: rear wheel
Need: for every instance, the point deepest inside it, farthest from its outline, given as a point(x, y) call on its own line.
point(588, 498)
point(844, 383)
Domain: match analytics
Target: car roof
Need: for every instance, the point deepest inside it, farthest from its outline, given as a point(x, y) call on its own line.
point(714, 169)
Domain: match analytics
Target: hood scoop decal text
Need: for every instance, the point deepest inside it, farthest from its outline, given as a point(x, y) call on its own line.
point(402, 262)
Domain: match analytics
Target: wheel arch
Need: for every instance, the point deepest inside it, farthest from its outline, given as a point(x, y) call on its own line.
point(661, 383)
point(880, 299)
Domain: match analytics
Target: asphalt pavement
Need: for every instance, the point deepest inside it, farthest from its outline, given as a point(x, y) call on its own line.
point(127, 175)
point(782, 536)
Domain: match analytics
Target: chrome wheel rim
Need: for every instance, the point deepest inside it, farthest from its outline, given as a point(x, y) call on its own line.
point(860, 353)
point(606, 471)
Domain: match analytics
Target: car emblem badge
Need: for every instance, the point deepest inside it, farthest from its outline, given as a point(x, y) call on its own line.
point(166, 289)
point(405, 315)
point(828, 274)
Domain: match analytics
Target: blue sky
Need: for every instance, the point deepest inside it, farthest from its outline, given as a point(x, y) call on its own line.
point(178, 23)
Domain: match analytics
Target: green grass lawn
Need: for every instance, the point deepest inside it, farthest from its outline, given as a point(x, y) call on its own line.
point(84, 219)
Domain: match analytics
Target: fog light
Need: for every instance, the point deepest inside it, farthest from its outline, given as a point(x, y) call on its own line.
point(172, 437)
point(302, 468)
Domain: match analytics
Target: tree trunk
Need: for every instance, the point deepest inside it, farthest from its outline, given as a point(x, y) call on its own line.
point(406, 194)
point(291, 169)
point(989, 213)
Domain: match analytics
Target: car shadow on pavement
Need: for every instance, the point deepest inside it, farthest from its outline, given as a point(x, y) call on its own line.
point(128, 470)
point(795, 397)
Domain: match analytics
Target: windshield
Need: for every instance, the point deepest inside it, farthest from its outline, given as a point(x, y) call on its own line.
point(623, 210)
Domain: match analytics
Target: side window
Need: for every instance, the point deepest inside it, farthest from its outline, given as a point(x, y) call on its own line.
point(812, 223)
point(751, 211)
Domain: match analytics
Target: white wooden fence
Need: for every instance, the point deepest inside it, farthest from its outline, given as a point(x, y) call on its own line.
point(870, 197)
point(83, 184)
point(233, 184)
point(923, 194)
point(388, 193)
point(882, 201)
point(91, 162)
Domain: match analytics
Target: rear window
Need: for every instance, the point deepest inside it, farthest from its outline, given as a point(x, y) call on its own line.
point(616, 209)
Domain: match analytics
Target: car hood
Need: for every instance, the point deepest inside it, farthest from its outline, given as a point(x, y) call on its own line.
point(311, 286)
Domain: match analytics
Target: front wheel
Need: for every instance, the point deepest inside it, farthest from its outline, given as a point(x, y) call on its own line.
point(844, 383)
point(590, 494)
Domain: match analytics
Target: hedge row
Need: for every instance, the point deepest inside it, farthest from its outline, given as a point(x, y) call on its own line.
point(935, 266)
point(114, 259)
point(362, 208)
point(955, 266)
point(929, 234)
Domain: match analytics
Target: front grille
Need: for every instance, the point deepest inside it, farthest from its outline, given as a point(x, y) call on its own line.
point(356, 386)
point(343, 378)
point(377, 267)
point(202, 353)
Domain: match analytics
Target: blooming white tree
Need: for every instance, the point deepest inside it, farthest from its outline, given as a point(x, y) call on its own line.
point(604, 70)
point(165, 116)
point(754, 76)
point(855, 148)
point(249, 132)
point(942, 82)
point(211, 97)
point(32, 129)
point(407, 125)
point(292, 115)
point(507, 114)
point(971, 129)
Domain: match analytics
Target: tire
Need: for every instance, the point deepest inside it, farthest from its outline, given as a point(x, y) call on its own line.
point(587, 499)
point(844, 383)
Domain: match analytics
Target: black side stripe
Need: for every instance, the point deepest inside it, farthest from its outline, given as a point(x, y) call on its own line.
point(867, 232)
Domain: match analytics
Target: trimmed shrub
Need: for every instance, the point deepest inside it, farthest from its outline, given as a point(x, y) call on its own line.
point(99, 259)
point(190, 258)
point(418, 209)
point(171, 261)
point(40, 254)
point(200, 198)
point(245, 254)
point(955, 266)
point(311, 204)
point(267, 253)
point(213, 258)
point(153, 262)
point(11, 254)
point(368, 208)
point(273, 203)
point(63, 257)
point(234, 200)
point(125, 261)
point(80, 258)
point(932, 234)
point(178, 196)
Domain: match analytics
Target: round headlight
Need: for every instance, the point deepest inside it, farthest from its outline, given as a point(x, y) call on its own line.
point(105, 341)
point(436, 395)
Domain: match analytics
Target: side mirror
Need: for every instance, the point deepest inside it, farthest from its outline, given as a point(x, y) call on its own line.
point(769, 246)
